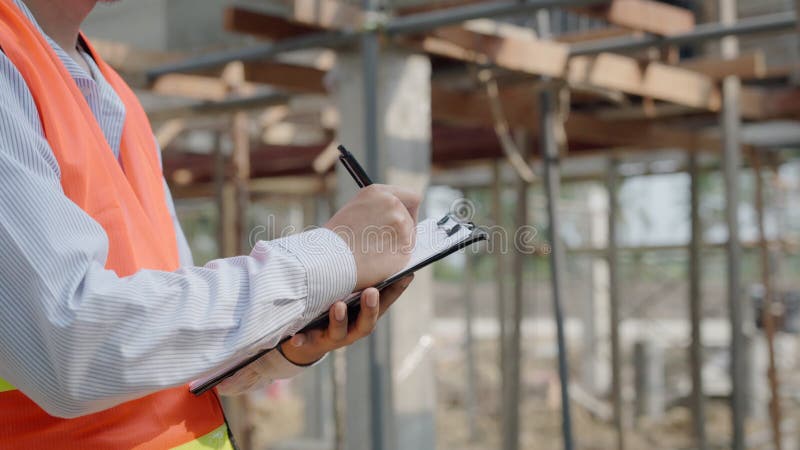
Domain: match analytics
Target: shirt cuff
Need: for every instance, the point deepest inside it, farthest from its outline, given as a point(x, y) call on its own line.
point(265, 370)
point(329, 265)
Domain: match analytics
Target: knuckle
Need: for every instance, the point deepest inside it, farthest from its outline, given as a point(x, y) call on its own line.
point(397, 219)
point(394, 203)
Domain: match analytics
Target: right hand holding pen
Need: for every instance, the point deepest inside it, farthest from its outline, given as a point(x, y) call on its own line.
point(379, 226)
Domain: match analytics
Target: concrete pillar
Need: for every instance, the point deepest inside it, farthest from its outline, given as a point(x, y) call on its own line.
point(595, 368)
point(404, 136)
point(649, 365)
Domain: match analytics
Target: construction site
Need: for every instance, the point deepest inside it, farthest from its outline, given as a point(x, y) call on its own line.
point(635, 162)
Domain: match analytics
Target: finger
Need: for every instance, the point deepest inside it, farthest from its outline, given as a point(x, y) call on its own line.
point(298, 340)
point(315, 337)
point(393, 292)
point(368, 317)
point(410, 199)
point(337, 326)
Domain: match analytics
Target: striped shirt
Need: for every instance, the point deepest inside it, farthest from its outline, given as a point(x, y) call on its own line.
point(75, 337)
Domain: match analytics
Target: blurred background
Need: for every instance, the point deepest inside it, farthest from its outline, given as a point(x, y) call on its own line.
point(612, 148)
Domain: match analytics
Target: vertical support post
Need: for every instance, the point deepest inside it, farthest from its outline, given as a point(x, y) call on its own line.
point(220, 180)
point(379, 343)
point(596, 366)
point(512, 402)
point(469, 343)
point(402, 126)
point(768, 319)
point(548, 127)
point(731, 124)
point(648, 361)
point(696, 306)
point(550, 157)
point(613, 293)
point(241, 177)
point(501, 272)
point(235, 205)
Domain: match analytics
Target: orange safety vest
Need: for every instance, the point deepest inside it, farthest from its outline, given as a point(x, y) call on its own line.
point(127, 198)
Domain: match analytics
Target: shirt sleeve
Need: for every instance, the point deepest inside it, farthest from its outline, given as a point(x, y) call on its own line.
point(76, 338)
point(272, 366)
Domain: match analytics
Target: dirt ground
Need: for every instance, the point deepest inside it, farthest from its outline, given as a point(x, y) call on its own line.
point(278, 415)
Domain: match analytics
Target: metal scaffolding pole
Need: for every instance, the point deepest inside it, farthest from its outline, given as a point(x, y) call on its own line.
point(769, 23)
point(696, 306)
point(731, 129)
point(768, 319)
point(548, 121)
point(501, 272)
point(469, 344)
point(380, 372)
point(414, 23)
point(552, 177)
point(511, 404)
point(613, 294)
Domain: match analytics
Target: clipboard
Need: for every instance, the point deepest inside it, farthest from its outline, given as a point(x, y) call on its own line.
point(435, 240)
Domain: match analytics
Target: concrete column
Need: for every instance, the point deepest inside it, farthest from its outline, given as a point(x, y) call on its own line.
point(648, 361)
point(404, 136)
point(595, 367)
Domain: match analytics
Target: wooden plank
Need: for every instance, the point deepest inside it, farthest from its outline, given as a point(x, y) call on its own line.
point(527, 55)
point(247, 21)
point(608, 71)
point(750, 66)
point(520, 106)
point(605, 71)
point(644, 15)
point(191, 86)
point(286, 76)
point(763, 103)
point(594, 34)
point(681, 86)
point(326, 14)
point(655, 80)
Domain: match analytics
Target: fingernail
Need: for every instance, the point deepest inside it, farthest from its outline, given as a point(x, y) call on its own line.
point(298, 340)
point(339, 311)
point(372, 301)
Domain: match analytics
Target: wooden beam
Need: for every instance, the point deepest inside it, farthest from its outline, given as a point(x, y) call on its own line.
point(292, 77)
point(594, 34)
point(750, 66)
point(681, 86)
point(326, 14)
point(650, 80)
point(196, 87)
point(605, 71)
point(764, 103)
point(644, 15)
point(526, 55)
point(520, 106)
point(238, 19)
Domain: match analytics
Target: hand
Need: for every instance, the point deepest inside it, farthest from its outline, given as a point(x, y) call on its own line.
point(306, 348)
point(379, 227)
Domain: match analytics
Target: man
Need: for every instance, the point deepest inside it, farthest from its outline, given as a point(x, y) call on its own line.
point(104, 318)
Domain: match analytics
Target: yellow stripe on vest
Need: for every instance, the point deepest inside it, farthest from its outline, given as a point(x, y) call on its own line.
point(6, 386)
point(216, 440)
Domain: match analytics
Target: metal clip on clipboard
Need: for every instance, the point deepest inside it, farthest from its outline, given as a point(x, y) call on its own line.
point(452, 225)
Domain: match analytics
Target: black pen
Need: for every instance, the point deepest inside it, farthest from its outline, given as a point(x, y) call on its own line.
point(356, 171)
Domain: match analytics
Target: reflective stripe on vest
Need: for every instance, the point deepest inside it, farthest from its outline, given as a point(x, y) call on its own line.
point(131, 207)
point(6, 386)
point(216, 440)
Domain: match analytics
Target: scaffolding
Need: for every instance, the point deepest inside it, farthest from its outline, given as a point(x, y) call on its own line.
point(630, 77)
